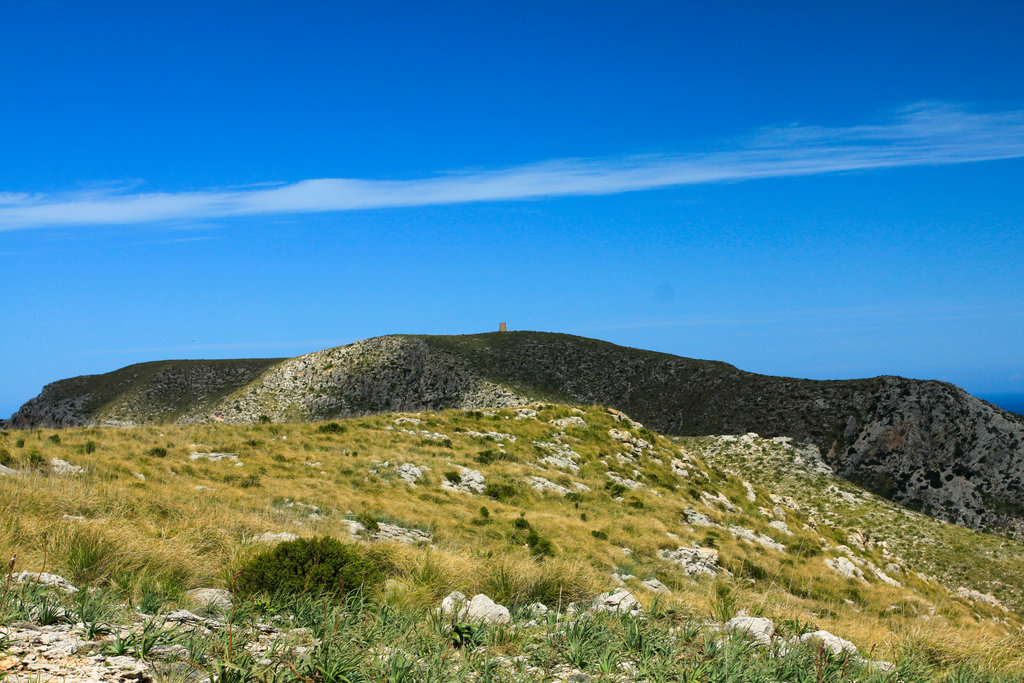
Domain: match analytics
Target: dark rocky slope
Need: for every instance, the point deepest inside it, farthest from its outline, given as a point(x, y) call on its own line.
point(926, 444)
point(145, 393)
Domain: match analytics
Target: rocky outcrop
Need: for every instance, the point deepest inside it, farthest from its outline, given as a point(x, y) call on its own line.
point(925, 444)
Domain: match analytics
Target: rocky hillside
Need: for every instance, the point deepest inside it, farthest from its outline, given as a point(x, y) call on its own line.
point(928, 445)
point(535, 543)
point(146, 393)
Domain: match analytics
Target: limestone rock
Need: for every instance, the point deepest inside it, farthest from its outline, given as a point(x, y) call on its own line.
point(618, 601)
point(716, 499)
point(694, 518)
point(492, 436)
point(537, 610)
point(213, 457)
point(571, 421)
point(759, 628)
point(543, 485)
point(470, 481)
point(632, 484)
point(628, 441)
point(58, 466)
point(409, 473)
point(187, 618)
point(45, 579)
point(482, 609)
point(695, 561)
point(752, 536)
point(453, 604)
point(845, 567)
point(834, 644)
point(655, 586)
point(977, 596)
point(400, 534)
point(271, 537)
point(209, 597)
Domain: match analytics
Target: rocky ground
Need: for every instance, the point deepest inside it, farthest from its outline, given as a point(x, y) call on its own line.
point(175, 645)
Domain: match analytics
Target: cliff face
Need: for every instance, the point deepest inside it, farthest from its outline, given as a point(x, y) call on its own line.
point(925, 444)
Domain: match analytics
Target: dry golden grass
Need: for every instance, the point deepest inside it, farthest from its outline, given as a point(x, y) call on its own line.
point(162, 533)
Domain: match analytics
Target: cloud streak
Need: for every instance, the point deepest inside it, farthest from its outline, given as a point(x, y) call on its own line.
point(924, 134)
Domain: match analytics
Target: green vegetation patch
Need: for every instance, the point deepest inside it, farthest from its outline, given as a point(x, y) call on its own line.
point(319, 565)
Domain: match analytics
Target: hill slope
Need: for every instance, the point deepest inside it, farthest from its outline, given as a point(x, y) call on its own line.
point(928, 445)
point(546, 503)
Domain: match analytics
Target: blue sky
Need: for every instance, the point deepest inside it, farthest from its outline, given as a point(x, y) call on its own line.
point(793, 188)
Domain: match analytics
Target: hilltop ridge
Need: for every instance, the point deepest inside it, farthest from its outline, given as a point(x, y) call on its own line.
point(926, 444)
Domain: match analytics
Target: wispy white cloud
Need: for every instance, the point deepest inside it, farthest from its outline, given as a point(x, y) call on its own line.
point(925, 134)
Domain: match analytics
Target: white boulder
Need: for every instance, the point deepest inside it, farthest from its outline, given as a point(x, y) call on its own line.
point(759, 628)
point(618, 601)
point(834, 644)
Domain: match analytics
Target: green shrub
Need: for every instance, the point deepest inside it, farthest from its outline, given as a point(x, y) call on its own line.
point(5, 457)
point(484, 512)
point(453, 477)
point(19, 443)
point(804, 547)
point(90, 446)
point(486, 457)
point(600, 535)
point(332, 428)
point(614, 488)
point(371, 523)
point(539, 545)
point(320, 565)
point(157, 452)
point(500, 492)
point(36, 459)
point(54, 438)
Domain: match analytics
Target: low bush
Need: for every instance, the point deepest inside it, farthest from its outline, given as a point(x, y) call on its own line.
point(369, 522)
point(804, 547)
point(320, 565)
point(614, 488)
point(501, 492)
point(36, 460)
point(486, 457)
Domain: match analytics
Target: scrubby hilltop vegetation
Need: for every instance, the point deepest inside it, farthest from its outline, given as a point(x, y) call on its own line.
point(619, 554)
point(927, 445)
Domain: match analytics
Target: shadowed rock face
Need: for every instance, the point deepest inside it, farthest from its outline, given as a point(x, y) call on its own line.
point(926, 444)
point(146, 393)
